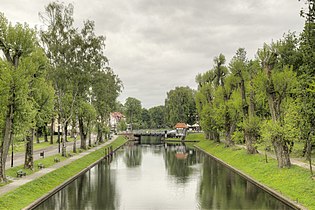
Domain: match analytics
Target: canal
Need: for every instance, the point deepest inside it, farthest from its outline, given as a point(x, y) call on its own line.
point(155, 176)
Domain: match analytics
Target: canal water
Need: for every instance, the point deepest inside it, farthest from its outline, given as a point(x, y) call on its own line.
point(155, 176)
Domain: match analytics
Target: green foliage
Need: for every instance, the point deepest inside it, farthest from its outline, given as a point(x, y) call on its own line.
point(133, 110)
point(157, 115)
point(5, 80)
point(145, 119)
point(48, 182)
point(180, 106)
point(122, 126)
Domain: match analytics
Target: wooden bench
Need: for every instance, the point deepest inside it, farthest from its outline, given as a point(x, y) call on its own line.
point(56, 160)
point(40, 166)
point(20, 173)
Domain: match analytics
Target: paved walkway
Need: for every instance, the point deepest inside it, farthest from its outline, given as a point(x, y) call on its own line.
point(17, 182)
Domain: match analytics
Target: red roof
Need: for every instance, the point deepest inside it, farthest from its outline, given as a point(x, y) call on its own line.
point(181, 125)
point(117, 115)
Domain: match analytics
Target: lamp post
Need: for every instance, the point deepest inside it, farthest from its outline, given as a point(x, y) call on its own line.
point(12, 155)
point(59, 138)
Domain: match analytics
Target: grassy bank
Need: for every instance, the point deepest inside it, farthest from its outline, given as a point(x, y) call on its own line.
point(294, 183)
point(31, 191)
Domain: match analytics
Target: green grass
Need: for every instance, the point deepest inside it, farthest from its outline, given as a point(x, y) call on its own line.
point(31, 191)
point(294, 183)
point(47, 162)
point(20, 145)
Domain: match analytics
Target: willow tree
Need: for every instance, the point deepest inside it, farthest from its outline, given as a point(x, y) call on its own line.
point(16, 42)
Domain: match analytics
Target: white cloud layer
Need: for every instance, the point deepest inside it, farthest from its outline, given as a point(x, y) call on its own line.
point(156, 45)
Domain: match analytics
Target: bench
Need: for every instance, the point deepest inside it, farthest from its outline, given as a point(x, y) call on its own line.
point(40, 166)
point(56, 160)
point(42, 154)
point(20, 173)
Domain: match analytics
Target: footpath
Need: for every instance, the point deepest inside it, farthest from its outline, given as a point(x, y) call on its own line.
point(23, 180)
point(294, 161)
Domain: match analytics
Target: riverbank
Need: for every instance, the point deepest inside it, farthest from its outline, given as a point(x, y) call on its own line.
point(294, 183)
point(31, 191)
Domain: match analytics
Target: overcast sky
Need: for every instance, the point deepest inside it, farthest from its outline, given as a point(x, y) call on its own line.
point(156, 45)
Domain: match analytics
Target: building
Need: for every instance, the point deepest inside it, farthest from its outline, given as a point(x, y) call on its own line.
point(181, 129)
point(114, 119)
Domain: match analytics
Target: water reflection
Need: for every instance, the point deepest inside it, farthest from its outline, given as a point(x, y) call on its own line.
point(221, 188)
point(133, 156)
point(159, 177)
point(178, 161)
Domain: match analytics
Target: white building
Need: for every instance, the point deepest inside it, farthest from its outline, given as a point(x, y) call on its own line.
point(114, 119)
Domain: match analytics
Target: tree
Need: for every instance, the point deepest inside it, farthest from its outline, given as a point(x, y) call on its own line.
point(279, 82)
point(106, 87)
point(41, 95)
point(87, 114)
point(244, 72)
point(145, 119)
point(157, 115)
point(133, 110)
point(306, 73)
point(180, 106)
point(16, 42)
point(211, 101)
point(59, 42)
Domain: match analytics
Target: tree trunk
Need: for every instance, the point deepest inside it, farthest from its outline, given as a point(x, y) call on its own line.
point(309, 155)
point(215, 136)
point(282, 153)
point(75, 145)
point(37, 135)
point(99, 133)
point(59, 141)
point(66, 131)
point(90, 139)
point(280, 146)
point(250, 139)
point(102, 139)
point(228, 140)
point(52, 130)
point(82, 133)
point(6, 141)
point(45, 133)
point(63, 140)
point(29, 160)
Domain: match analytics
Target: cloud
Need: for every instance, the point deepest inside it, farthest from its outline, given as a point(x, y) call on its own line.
point(156, 45)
